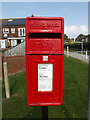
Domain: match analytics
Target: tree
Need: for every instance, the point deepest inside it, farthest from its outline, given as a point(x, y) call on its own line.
point(65, 37)
point(79, 37)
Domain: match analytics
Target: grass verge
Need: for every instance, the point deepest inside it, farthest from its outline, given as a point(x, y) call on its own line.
point(75, 94)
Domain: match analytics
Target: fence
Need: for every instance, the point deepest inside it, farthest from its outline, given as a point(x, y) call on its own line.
point(18, 50)
point(15, 58)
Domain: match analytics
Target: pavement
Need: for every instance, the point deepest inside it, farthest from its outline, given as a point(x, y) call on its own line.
point(78, 56)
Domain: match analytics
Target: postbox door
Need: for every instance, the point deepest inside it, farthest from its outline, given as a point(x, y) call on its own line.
point(46, 83)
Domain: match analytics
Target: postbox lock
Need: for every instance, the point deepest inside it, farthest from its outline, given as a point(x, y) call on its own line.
point(35, 79)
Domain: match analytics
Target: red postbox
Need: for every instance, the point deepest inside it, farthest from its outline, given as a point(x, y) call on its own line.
point(44, 60)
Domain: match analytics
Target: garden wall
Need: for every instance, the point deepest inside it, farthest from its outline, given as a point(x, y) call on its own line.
point(15, 63)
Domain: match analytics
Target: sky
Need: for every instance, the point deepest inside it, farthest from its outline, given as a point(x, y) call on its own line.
point(75, 14)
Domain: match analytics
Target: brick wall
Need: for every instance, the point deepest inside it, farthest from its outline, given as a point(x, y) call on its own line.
point(15, 63)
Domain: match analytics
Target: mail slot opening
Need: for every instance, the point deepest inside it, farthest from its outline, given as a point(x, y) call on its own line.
point(44, 35)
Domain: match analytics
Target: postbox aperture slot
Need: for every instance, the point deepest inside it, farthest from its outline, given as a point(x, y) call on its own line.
point(44, 42)
point(44, 35)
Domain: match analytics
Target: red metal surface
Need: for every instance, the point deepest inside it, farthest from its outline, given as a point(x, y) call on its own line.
point(44, 35)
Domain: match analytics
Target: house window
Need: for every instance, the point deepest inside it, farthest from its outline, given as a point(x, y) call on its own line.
point(5, 30)
point(13, 42)
point(21, 31)
point(12, 30)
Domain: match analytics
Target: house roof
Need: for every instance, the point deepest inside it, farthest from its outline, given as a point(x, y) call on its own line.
point(3, 20)
point(15, 22)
